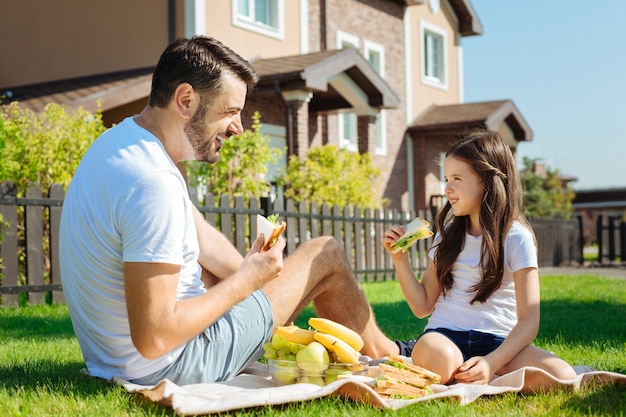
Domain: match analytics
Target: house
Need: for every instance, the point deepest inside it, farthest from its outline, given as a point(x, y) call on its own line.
point(378, 76)
point(604, 205)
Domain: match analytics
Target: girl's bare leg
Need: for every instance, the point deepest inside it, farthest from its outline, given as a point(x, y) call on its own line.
point(539, 358)
point(438, 354)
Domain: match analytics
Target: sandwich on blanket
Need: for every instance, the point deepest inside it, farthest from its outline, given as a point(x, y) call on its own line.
point(401, 379)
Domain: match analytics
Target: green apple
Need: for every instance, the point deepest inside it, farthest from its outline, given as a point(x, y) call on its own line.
point(313, 357)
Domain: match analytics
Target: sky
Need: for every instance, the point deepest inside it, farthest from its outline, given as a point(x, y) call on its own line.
point(563, 64)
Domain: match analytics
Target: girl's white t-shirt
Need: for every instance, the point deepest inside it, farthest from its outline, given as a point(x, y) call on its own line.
point(127, 202)
point(498, 315)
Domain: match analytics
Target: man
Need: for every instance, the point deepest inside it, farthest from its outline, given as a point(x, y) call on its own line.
point(153, 290)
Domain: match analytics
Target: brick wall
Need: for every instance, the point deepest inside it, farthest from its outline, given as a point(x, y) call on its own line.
point(270, 107)
point(380, 22)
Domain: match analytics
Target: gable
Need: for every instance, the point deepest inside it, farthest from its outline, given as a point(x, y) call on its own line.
point(337, 78)
point(498, 116)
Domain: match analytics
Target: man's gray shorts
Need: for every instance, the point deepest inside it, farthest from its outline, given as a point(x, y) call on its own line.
point(225, 348)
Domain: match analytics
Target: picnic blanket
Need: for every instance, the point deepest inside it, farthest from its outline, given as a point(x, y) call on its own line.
point(254, 388)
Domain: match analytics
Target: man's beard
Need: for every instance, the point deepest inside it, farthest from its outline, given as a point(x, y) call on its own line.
point(195, 130)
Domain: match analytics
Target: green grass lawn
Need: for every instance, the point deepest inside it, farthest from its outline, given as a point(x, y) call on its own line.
point(583, 321)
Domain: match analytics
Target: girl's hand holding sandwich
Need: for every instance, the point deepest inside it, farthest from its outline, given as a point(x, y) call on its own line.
point(390, 237)
point(399, 239)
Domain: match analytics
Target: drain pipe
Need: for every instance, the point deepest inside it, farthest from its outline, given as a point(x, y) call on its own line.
point(409, 171)
point(171, 21)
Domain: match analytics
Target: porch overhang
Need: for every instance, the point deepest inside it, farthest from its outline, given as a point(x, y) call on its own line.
point(99, 92)
point(497, 116)
point(338, 79)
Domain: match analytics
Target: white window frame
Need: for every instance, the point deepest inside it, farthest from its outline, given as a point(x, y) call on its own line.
point(380, 147)
point(440, 79)
point(347, 120)
point(344, 39)
point(249, 22)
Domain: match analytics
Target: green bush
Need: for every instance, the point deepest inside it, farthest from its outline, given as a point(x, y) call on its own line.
point(242, 168)
point(45, 147)
point(334, 176)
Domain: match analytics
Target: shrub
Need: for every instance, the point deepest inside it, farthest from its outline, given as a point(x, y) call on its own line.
point(334, 176)
point(242, 168)
point(45, 147)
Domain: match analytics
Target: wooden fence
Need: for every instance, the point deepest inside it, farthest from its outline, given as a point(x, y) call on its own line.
point(30, 258)
point(560, 241)
point(29, 248)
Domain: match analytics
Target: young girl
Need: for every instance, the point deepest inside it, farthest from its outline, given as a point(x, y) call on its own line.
point(481, 286)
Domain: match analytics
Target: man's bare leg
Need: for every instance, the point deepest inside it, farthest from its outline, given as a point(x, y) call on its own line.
point(318, 271)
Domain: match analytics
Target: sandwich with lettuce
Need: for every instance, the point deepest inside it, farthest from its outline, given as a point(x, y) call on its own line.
point(270, 228)
point(418, 229)
point(401, 379)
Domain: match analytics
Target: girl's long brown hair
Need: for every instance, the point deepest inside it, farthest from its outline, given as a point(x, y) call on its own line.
point(503, 202)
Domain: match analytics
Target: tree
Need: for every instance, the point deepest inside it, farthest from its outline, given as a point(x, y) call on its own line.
point(242, 168)
point(545, 196)
point(334, 176)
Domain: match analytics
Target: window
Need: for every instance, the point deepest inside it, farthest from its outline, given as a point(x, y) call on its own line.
point(434, 56)
point(278, 139)
point(434, 59)
point(261, 16)
point(375, 54)
point(348, 136)
point(348, 132)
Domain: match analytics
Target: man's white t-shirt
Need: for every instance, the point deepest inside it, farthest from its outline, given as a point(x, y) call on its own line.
point(498, 315)
point(127, 202)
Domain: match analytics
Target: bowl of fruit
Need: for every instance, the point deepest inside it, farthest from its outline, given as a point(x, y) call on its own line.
point(297, 355)
point(284, 372)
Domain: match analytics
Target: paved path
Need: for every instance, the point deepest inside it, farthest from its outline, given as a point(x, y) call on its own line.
point(615, 271)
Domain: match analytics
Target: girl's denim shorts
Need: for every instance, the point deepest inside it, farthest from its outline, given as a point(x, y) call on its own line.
point(471, 343)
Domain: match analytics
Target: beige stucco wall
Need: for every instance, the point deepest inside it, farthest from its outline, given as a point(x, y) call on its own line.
point(247, 43)
point(422, 96)
point(63, 39)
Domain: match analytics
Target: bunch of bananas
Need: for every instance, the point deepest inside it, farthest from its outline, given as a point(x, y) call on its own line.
point(342, 343)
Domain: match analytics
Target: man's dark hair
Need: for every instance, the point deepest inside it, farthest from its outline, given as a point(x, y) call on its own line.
point(202, 62)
